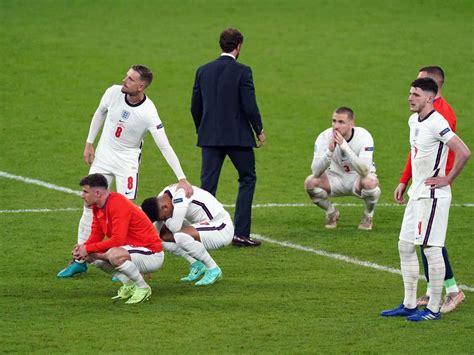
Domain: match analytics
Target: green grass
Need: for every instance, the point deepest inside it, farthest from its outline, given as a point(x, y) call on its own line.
point(308, 57)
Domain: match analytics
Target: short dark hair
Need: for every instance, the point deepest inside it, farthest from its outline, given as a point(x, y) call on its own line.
point(145, 73)
point(426, 84)
point(150, 207)
point(346, 110)
point(434, 70)
point(230, 38)
point(94, 180)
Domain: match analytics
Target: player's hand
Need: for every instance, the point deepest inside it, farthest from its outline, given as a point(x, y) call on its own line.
point(89, 154)
point(186, 186)
point(332, 144)
point(437, 182)
point(338, 138)
point(79, 252)
point(398, 193)
point(261, 139)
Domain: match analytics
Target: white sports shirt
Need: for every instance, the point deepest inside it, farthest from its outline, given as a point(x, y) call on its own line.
point(361, 143)
point(428, 138)
point(125, 126)
point(200, 207)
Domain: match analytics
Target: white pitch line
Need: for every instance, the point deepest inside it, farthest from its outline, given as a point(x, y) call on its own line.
point(50, 186)
point(41, 210)
point(342, 258)
point(28, 180)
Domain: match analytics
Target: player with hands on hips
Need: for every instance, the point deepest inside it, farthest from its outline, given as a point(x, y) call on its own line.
point(343, 166)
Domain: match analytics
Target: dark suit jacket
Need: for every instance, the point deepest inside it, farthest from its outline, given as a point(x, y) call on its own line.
point(223, 104)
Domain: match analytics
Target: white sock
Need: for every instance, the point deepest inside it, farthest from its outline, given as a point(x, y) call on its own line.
point(85, 224)
point(436, 270)
point(319, 197)
point(176, 250)
point(410, 269)
point(195, 249)
point(130, 270)
point(371, 198)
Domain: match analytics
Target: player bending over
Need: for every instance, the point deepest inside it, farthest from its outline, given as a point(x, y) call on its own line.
point(189, 227)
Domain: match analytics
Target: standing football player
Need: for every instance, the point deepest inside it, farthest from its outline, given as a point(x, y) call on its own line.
point(126, 114)
point(454, 295)
point(426, 215)
point(342, 166)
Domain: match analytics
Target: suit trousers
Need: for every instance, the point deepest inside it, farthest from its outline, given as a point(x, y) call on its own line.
point(243, 159)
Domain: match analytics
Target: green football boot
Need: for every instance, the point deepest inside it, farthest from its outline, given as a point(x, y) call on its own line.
point(140, 295)
point(211, 276)
point(124, 292)
point(197, 269)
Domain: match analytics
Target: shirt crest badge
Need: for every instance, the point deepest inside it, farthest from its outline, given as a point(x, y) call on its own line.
point(125, 114)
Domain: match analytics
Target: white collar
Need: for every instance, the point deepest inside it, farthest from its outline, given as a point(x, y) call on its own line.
point(227, 55)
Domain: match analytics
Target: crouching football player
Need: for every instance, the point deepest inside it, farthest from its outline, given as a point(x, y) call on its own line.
point(133, 246)
point(342, 166)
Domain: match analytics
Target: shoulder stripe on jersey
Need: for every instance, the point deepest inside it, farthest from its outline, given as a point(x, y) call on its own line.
point(430, 222)
point(204, 207)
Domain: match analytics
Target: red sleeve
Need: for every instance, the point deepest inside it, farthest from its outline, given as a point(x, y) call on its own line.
point(406, 174)
point(118, 215)
point(96, 232)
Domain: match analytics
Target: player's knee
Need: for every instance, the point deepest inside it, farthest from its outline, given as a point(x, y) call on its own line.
point(405, 247)
point(317, 194)
point(117, 256)
point(369, 182)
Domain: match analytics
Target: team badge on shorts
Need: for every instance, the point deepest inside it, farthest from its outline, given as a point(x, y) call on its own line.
point(125, 114)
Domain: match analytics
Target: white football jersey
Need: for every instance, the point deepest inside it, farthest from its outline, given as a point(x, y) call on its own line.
point(428, 138)
point(361, 143)
point(124, 129)
point(200, 207)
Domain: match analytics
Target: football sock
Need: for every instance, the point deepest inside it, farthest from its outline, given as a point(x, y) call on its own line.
point(437, 271)
point(84, 229)
point(319, 197)
point(176, 250)
point(370, 197)
point(410, 268)
point(451, 286)
point(195, 249)
point(130, 270)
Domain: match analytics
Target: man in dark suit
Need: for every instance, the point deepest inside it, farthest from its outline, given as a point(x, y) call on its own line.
point(226, 116)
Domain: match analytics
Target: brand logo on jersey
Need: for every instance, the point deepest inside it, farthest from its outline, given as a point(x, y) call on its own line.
point(444, 131)
point(125, 114)
point(159, 126)
point(178, 200)
point(369, 149)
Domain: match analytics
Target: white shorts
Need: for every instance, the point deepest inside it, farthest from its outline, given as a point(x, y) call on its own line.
point(425, 221)
point(216, 233)
point(126, 181)
point(145, 259)
point(342, 185)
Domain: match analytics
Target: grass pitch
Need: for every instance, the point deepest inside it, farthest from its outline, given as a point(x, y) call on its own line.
point(308, 57)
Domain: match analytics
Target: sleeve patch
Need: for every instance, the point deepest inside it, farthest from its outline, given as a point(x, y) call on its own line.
point(444, 131)
point(178, 200)
point(159, 126)
point(369, 149)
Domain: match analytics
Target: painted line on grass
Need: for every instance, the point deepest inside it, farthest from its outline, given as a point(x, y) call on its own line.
point(28, 180)
point(342, 258)
point(42, 210)
point(50, 186)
